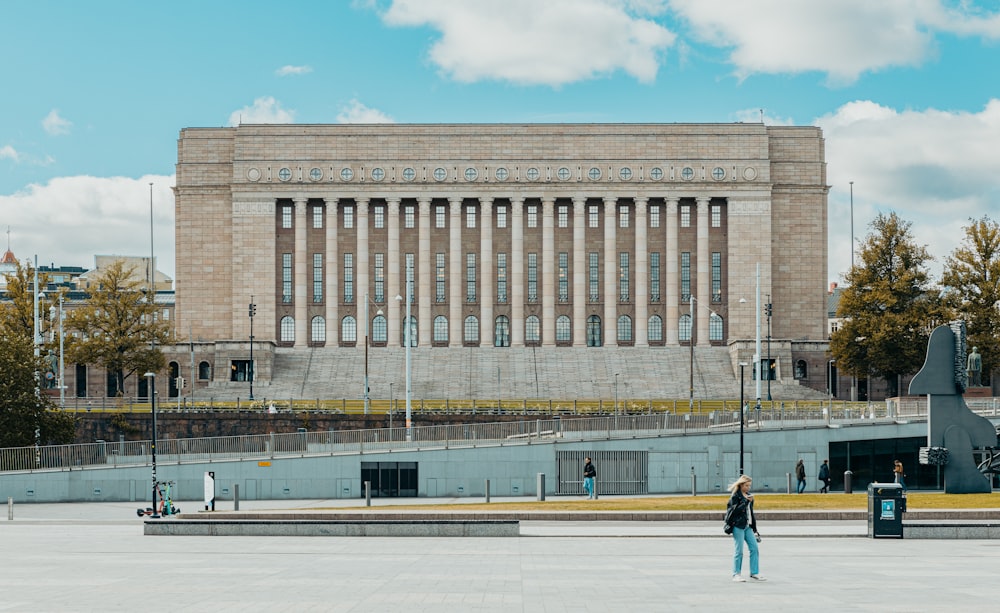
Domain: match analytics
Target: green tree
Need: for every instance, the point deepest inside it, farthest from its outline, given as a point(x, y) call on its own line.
point(971, 281)
point(889, 307)
point(18, 310)
point(118, 327)
point(23, 410)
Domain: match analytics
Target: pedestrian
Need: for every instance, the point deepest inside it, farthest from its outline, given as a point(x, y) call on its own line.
point(898, 476)
point(589, 477)
point(824, 476)
point(800, 474)
point(744, 523)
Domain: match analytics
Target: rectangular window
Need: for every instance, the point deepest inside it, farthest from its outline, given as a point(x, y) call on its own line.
point(409, 216)
point(501, 217)
point(348, 277)
point(439, 278)
point(594, 277)
point(317, 217)
point(532, 216)
point(563, 216)
point(593, 216)
point(532, 277)
point(286, 217)
point(563, 277)
point(623, 277)
point(317, 277)
point(379, 217)
point(654, 217)
point(623, 216)
point(348, 217)
point(654, 276)
point(286, 278)
point(408, 260)
point(470, 217)
point(439, 216)
point(470, 277)
point(685, 276)
point(379, 277)
point(716, 216)
point(716, 276)
point(686, 216)
point(502, 278)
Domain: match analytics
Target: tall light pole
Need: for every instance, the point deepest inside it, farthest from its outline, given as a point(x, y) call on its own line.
point(742, 365)
point(756, 355)
point(406, 340)
point(770, 368)
point(62, 382)
point(252, 310)
point(367, 396)
point(829, 378)
point(691, 360)
point(852, 224)
point(616, 393)
point(151, 378)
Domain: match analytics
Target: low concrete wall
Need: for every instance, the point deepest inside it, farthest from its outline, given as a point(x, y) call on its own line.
point(951, 530)
point(320, 527)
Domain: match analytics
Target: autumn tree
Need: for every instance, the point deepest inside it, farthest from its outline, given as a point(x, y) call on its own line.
point(889, 306)
point(23, 410)
point(17, 312)
point(118, 327)
point(971, 281)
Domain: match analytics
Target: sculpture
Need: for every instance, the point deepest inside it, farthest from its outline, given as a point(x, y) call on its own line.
point(950, 422)
point(974, 368)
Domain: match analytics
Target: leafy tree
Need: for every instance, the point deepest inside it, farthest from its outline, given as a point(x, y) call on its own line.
point(972, 287)
point(22, 408)
point(889, 307)
point(18, 311)
point(117, 326)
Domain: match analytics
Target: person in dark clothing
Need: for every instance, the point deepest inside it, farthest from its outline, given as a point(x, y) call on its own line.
point(800, 474)
point(589, 478)
point(824, 476)
point(744, 523)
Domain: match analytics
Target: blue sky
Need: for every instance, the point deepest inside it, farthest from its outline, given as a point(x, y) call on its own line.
point(94, 94)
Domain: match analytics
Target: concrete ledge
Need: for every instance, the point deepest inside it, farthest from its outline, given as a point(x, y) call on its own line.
point(325, 527)
point(951, 530)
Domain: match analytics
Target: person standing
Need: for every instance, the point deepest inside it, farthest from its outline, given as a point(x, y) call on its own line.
point(824, 476)
point(897, 473)
point(800, 474)
point(589, 477)
point(744, 525)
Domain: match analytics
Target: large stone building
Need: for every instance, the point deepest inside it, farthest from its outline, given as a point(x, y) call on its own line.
point(558, 236)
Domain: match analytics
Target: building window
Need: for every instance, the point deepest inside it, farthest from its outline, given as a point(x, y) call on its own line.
point(286, 217)
point(532, 277)
point(470, 217)
point(594, 276)
point(349, 330)
point(623, 277)
point(379, 217)
point(564, 331)
point(439, 217)
point(471, 328)
point(685, 276)
point(684, 328)
point(801, 369)
point(532, 216)
point(287, 328)
point(593, 216)
point(470, 277)
point(348, 217)
point(413, 332)
point(439, 278)
point(501, 278)
point(624, 329)
point(348, 278)
point(715, 327)
point(716, 276)
point(501, 217)
point(594, 331)
point(716, 216)
point(563, 277)
point(317, 217)
point(654, 276)
point(317, 330)
point(286, 278)
point(440, 329)
point(654, 217)
point(623, 216)
point(654, 331)
point(408, 262)
point(409, 216)
point(380, 277)
point(317, 277)
point(563, 216)
point(686, 216)
point(204, 371)
point(501, 332)
point(380, 330)
point(532, 329)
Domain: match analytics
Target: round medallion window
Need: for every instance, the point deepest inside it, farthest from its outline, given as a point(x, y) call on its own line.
point(656, 173)
point(687, 173)
point(315, 174)
point(471, 174)
point(346, 174)
point(377, 174)
point(440, 174)
point(563, 173)
point(284, 174)
point(532, 174)
point(718, 173)
point(625, 174)
point(749, 173)
point(253, 174)
point(594, 173)
point(409, 174)
point(502, 174)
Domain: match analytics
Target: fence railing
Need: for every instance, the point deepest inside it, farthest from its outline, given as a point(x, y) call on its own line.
point(525, 432)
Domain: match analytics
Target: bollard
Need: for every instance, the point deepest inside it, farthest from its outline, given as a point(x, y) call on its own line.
point(595, 488)
point(788, 483)
point(540, 496)
point(10, 509)
point(694, 483)
point(236, 496)
point(487, 491)
point(847, 481)
point(368, 493)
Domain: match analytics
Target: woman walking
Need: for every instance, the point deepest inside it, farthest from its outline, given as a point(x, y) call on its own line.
point(744, 528)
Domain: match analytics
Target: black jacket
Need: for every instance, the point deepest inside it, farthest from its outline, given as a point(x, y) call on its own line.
point(589, 470)
point(742, 511)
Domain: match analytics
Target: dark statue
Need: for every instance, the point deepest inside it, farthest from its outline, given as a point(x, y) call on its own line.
point(950, 423)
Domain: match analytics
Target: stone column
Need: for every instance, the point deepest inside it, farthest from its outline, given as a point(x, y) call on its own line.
point(704, 297)
point(455, 276)
point(424, 281)
point(672, 281)
point(361, 270)
point(487, 266)
point(301, 289)
point(393, 266)
point(548, 289)
point(640, 334)
point(332, 294)
point(516, 272)
point(610, 272)
point(579, 272)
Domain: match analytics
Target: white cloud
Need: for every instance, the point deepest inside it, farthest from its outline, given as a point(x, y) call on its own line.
point(8, 152)
point(761, 116)
point(264, 110)
point(539, 43)
point(56, 125)
point(69, 220)
point(934, 168)
point(285, 71)
point(843, 38)
point(355, 112)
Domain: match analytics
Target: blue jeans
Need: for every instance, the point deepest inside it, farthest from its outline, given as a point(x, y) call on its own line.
point(801, 487)
point(739, 536)
point(588, 486)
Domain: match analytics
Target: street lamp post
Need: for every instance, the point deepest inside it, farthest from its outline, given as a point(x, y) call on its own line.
point(151, 378)
point(406, 340)
point(250, 370)
point(367, 343)
point(829, 378)
point(770, 368)
point(756, 355)
point(742, 365)
point(852, 224)
point(62, 382)
point(616, 393)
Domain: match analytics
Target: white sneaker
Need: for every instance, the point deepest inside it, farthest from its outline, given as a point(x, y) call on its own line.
point(739, 579)
point(757, 578)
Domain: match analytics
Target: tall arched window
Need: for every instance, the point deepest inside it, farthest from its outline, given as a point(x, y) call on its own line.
point(624, 329)
point(501, 332)
point(801, 369)
point(564, 332)
point(715, 327)
point(655, 329)
point(204, 371)
point(349, 330)
point(471, 335)
point(684, 328)
point(317, 330)
point(594, 331)
point(532, 329)
point(287, 329)
point(380, 333)
point(440, 329)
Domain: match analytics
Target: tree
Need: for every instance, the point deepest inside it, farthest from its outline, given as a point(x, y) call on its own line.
point(118, 327)
point(23, 410)
point(971, 281)
point(18, 311)
point(889, 307)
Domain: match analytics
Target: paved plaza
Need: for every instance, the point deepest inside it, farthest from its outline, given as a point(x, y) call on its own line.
point(94, 557)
